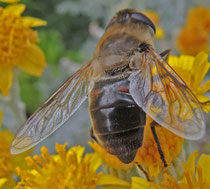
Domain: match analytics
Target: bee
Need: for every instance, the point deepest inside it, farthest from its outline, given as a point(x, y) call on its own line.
point(125, 81)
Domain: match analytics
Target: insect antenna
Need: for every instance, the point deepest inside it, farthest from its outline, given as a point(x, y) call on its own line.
point(158, 143)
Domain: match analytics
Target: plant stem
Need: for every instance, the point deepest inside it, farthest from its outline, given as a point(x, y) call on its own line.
point(13, 101)
point(17, 106)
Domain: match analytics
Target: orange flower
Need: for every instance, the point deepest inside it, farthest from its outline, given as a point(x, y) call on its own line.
point(199, 16)
point(194, 37)
point(192, 40)
point(148, 155)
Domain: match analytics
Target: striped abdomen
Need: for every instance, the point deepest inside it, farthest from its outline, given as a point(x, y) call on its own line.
point(117, 121)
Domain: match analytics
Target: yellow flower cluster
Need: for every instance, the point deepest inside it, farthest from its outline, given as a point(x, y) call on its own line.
point(155, 19)
point(194, 37)
point(195, 176)
point(9, 162)
point(72, 169)
point(67, 169)
point(18, 45)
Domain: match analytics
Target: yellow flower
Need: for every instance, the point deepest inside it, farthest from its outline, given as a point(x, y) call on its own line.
point(199, 16)
point(9, 162)
point(193, 70)
point(192, 40)
point(155, 19)
point(18, 45)
point(195, 176)
point(140, 183)
point(9, 1)
point(67, 169)
point(112, 182)
point(109, 159)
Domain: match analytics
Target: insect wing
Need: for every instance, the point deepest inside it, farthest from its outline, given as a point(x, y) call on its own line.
point(54, 112)
point(164, 96)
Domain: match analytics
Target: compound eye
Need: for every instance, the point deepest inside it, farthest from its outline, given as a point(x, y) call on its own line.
point(111, 22)
point(118, 19)
point(141, 17)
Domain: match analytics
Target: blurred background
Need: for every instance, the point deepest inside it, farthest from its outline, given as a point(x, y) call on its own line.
point(69, 40)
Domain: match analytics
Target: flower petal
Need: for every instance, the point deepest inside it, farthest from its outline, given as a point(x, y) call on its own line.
point(205, 103)
point(10, 1)
point(3, 181)
point(182, 66)
point(206, 106)
point(6, 79)
point(204, 88)
point(32, 61)
point(15, 9)
point(159, 33)
point(9, 162)
point(199, 69)
point(33, 22)
point(204, 164)
point(112, 180)
point(154, 170)
point(190, 164)
point(11, 183)
point(141, 183)
point(109, 159)
point(114, 187)
point(96, 162)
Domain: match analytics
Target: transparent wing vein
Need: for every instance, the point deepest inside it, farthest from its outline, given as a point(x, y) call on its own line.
point(53, 113)
point(164, 96)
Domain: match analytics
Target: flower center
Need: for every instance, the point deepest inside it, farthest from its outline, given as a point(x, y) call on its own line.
point(14, 38)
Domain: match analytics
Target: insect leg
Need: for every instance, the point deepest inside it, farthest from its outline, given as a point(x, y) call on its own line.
point(92, 135)
point(158, 143)
point(144, 171)
point(165, 54)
